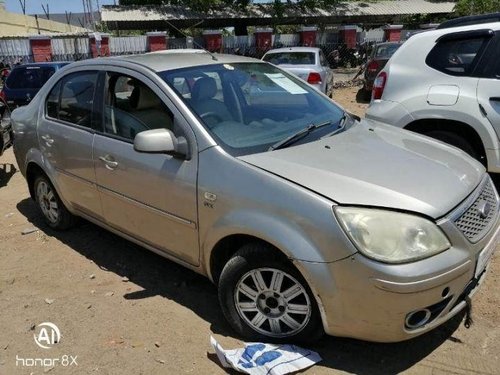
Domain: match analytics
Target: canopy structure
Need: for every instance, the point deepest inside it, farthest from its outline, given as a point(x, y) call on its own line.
point(166, 17)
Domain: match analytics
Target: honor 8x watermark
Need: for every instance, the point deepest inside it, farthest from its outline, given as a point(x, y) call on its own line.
point(46, 336)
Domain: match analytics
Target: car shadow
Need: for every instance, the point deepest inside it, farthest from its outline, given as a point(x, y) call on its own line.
point(362, 357)
point(160, 277)
point(6, 173)
point(156, 275)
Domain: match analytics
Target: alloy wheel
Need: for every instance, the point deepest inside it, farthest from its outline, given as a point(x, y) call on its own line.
point(272, 302)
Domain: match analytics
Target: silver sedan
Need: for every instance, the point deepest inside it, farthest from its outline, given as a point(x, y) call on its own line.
point(307, 219)
point(307, 63)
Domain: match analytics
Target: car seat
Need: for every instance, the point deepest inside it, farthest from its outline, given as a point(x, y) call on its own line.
point(203, 102)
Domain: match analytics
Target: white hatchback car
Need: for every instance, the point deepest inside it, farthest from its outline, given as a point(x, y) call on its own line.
point(307, 63)
point(445, 84)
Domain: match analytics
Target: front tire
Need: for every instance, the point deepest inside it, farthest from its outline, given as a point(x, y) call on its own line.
point(55, 214)
point(264, 298)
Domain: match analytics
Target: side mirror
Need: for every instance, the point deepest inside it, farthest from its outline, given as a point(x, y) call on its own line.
point(161, 141)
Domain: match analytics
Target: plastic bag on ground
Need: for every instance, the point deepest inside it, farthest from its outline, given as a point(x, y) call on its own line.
point(265, 359)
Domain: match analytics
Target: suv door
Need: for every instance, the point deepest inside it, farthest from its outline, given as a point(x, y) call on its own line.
point(150, 197)
point(65, 136)
point(488, 88)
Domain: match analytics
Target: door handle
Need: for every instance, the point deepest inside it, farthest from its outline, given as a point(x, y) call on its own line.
point(109, 162)
point(47, 139)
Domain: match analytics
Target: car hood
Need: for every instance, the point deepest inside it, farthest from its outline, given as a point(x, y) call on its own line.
point(378, 165)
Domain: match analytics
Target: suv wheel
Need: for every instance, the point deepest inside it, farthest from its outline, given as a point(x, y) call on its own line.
point(55, 214)
point(265, 298)
point(454, 140)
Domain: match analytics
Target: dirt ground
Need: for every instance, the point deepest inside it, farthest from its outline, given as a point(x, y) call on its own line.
point(124, 310)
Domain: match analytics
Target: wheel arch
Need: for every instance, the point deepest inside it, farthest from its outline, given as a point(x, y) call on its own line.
point(423, 126)
point(32, 171)
point(227, 246)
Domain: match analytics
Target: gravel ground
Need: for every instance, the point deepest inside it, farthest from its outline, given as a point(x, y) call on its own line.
point(124, 310)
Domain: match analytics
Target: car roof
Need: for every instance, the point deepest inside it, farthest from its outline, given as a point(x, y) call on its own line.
point(172, 59)
point(293, 49)
point(436, 33)
point(471, 20)
point(42, 64)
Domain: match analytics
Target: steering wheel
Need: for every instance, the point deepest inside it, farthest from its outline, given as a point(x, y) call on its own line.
point(211, 115)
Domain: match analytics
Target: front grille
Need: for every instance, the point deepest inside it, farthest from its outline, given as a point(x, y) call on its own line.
point(474, 225)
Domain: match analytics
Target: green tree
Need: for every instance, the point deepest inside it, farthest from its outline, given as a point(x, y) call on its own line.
point(470, 7)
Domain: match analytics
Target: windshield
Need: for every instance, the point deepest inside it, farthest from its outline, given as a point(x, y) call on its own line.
point(247, 107)
point(291, 58)
point(385, 51)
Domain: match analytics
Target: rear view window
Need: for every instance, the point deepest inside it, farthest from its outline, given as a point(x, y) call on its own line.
point(292, 58)
point(386, 51)
point(455, 57)
point(29, 77)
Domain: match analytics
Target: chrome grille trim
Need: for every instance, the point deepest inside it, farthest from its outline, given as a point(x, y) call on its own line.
point(467, 218)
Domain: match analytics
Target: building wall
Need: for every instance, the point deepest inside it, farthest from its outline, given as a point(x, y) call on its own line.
point(13, 24)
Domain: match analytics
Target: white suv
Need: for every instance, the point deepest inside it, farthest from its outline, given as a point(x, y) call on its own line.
point(445, 83)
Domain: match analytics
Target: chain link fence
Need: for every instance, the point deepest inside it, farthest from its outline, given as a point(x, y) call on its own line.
point(18, 50)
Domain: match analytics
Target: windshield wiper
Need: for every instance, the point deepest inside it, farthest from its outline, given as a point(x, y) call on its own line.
point(342, 123)
point(297, 136)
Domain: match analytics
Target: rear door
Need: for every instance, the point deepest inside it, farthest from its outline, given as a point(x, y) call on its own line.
point(150, 197)
point(66, 134)
point(488, 89)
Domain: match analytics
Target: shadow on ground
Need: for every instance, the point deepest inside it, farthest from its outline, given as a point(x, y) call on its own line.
point(6, 173)
point(160, 277)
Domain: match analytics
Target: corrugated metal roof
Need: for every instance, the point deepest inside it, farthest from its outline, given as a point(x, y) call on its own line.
point(379, 8)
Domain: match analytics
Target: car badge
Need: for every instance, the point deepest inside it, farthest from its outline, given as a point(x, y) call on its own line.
point(483, 209)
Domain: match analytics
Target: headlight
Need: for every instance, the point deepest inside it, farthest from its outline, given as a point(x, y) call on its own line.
point(391, 237)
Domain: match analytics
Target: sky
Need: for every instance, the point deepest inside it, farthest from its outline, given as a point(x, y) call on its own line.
point(55, 6)
point(58, 6)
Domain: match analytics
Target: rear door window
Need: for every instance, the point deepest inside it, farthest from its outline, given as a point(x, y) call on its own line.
point(456, 57)
point(72, 99)
point(29, 77)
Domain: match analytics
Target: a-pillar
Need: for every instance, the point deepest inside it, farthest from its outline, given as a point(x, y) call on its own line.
point(157, 41)
point(41, 48)
point(213, 40)
point(263, 40)
point(99, 44)
point(348, 35)
point(392, 33)
point(308, 36)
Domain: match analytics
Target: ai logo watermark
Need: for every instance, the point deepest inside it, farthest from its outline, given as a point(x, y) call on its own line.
point(47, 335)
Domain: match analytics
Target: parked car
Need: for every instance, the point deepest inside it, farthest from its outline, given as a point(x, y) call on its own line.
point(444, 83)
point(308, 63)
point(380, 54)
point(5, 127)
point(24, 81)
point(306, 219)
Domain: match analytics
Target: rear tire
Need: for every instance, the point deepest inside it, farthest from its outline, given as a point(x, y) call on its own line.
point(55, 214)
point(454, 140)
point(257, 310)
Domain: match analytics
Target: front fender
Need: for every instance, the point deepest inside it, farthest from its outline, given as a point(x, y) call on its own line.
point(288, 237)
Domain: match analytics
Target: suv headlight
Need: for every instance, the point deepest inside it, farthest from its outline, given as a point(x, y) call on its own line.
point(389, 236)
